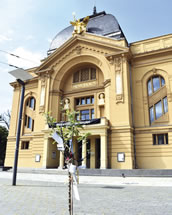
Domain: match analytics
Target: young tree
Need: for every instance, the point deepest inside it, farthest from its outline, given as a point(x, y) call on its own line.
point(3, 143)
point(64, 135)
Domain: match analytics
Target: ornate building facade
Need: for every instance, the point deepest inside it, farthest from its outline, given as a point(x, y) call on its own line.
point(123, 91)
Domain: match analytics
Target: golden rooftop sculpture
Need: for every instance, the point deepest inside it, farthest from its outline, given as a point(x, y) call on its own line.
point(79, 27)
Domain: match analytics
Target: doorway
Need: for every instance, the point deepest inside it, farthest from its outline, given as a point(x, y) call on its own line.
point(97, 153)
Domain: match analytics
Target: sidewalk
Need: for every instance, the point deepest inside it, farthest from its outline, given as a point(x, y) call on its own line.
point(93, 180)
point(47, 194)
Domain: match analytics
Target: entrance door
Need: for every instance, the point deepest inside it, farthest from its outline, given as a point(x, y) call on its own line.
point(79, 157)
point(97, 153)
point(88, 154)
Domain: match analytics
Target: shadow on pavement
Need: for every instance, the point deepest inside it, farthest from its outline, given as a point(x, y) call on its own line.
point(113, 187)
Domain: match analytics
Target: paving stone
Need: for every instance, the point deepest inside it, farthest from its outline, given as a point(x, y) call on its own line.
point(32, 197)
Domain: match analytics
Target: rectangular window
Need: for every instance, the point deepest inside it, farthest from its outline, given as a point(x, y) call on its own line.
point(151, 113)
point(85, 100)
point(165, 103)
point(88, 100)
point(32, 103)
point(92, 99)
point(85, 115)
point(160, 139)
point(25, 145)
point(93, 73)
point(77, 101)
point(158, 110)
point(25, 120)
point(149, 87)
point(32, 125)
point(76, 77)
point(92, 113)
point(29, 125)
point(82, 101)
point(85, 74)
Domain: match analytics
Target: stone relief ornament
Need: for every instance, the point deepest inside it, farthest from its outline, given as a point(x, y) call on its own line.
point(101, 99)
point(79, 26)
point(119, 80)
point(66, 104)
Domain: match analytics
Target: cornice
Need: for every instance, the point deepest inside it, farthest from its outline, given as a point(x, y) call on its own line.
point(153, 52)
point(16, 84)
point(77, 44)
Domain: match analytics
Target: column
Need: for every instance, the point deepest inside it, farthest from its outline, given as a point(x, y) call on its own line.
point(61, 164)
point(103, 151)
point(92, 157)
point(45, 152)
point(84, 153)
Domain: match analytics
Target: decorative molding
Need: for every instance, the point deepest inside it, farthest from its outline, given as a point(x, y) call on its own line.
point(107, 82)
point(84, 85)
point(154, 70)
point(41, 109)
point(81, 48)
point(78, 50)
point(119, 98)
point(111, 60)
point(119, 80)
point(151, 46)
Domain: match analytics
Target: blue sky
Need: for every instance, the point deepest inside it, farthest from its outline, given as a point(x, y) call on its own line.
point(28, 26)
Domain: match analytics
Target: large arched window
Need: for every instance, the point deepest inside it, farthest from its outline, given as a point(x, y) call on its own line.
point(157, 93)
point(29, 114)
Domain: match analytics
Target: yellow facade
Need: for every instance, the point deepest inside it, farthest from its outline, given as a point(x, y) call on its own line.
point(118, 71)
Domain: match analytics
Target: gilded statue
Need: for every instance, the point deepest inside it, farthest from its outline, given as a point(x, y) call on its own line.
point(80, 27)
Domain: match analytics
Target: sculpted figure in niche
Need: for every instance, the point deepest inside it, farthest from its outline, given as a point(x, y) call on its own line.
point(101, 99)
point(66, 103)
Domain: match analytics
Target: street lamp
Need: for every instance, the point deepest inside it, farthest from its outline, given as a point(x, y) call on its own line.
point(21, 76)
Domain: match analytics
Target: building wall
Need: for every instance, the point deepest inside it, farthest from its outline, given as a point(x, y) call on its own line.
point(119, 69)
point(151, 58)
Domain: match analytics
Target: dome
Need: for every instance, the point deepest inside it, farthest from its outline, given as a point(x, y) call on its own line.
point(99, 23)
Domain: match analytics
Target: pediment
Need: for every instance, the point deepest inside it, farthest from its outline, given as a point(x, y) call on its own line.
point(81, 44)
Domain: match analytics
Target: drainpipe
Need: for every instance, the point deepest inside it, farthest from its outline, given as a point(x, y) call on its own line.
point(132, 114)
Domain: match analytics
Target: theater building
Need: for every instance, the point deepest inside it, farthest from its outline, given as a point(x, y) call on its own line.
point(123, 91)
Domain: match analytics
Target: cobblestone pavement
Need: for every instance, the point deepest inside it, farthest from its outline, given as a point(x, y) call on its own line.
point(32, 197)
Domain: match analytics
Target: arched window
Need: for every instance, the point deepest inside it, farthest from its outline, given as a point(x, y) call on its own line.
point(157, 93)
point(29, 114)
point(31, 102)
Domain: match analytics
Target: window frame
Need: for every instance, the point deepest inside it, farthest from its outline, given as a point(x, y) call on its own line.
point(152, 85)
point(83, 106)
point(155, 138)
point(25, 145)
point(78, 76)
point(29, 103)
point(157, 97)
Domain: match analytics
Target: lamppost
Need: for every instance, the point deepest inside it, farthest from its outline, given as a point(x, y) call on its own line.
point(21, 76)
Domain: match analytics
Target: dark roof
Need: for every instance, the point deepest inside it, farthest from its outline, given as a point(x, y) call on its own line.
point(100, 23)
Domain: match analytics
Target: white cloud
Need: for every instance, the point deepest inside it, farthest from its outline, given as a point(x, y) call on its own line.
point(4, 38)
point(27, 58)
